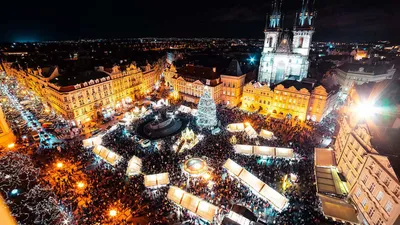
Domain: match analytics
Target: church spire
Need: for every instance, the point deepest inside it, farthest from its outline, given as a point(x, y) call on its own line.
point(305, 17)
point(274, 19)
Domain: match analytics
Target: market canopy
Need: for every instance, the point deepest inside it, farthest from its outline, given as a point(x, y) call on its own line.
point(264, 151)
point(134, 166)
point(338, 209)
point(156, 180)
point(266, 134)
point(107, 155)
point(250, 131)
point(194, 204)
point(235, 127)
point(256, 185)
point(93, 141)
point(329, 182)
point(324, 157)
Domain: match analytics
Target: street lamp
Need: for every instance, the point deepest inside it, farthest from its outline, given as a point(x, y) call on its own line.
point(80, 184)
point(59, 165)
point(113, 212)
point(365, 110)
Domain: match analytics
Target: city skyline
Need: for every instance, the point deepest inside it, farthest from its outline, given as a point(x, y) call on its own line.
point(337, 20)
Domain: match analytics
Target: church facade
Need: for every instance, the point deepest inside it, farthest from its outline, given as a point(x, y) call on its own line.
point(285, 54)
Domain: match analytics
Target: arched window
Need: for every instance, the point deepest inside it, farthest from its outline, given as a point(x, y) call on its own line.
point(301, 40)
point(270, 42)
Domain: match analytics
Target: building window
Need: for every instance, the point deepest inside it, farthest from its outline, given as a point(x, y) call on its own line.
point(364, 202)
point(364, 180)
point(396, 191)
point(388, 206)
point(358, 192)
point(379, 221)
point(372, 187)
point(371, 212)
point(379, 196)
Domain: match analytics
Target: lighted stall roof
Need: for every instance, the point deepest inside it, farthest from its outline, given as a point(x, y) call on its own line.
point(155, 180)
point(106, 154)
point(260, 188)
point(194, 204)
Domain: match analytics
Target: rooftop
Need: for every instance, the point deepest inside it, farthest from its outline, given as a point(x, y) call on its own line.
point(198, 72)
point(296, 84)
point(234, 69)
point(73, 78)
point(366, 68)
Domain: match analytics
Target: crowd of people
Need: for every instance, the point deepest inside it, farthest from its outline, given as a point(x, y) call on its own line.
point(108, 187)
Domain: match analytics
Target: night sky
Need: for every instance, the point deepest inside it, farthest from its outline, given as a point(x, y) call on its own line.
point(338, 20)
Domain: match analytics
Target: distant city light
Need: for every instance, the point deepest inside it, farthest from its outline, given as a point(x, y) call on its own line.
point(252, 59)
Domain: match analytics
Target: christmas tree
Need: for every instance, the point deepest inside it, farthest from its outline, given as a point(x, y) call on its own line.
point(207, 112)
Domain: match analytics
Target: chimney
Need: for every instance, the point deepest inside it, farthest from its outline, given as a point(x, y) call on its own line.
point(214, 69)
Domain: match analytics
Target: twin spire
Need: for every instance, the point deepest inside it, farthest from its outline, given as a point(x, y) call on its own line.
point(304, 18)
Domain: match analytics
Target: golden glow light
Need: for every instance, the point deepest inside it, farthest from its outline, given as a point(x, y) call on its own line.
point(59, 165)
point(207, 176)
point(12, 145)
point(365, 110)
point(113, 212)
point(80, 184)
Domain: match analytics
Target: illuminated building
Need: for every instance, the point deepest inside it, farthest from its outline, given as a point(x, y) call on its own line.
point(289, 98)
point(283, 57)
point(7, 137)
point(350, 74)
point(85, 96)
point(366, 150)
point(233, 81)
point(189, 82)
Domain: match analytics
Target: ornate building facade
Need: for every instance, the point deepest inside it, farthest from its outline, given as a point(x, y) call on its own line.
point(367, 156)
point(289, 98)
point(86, 96)
point(283, 56)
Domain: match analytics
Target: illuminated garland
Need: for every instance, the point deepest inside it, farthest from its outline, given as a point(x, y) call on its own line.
point(29, 202)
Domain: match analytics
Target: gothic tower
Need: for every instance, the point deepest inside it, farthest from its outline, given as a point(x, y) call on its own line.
point(304, 28)
point(284, 57)
point(273, 27)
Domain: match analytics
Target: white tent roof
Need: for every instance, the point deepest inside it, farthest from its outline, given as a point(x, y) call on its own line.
point(106, 154)
point(195, 204)
point(235, 127)
point(266, 134)
point(260, 188)
point(284, 152)
point(134, 166)
point(264, 151)
point(93, 141)
point(250, 131)
point(243, 149)
point(155, 180)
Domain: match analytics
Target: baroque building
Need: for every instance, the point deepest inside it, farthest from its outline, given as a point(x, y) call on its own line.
point(367, 154)
point(285, 55)
point(302, 100)
point(84, 96)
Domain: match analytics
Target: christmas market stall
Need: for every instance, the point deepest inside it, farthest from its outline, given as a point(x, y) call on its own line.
point(278, 201)
point(134, 166)
point(107, 155)
point(194, 204)
point(156, 180)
